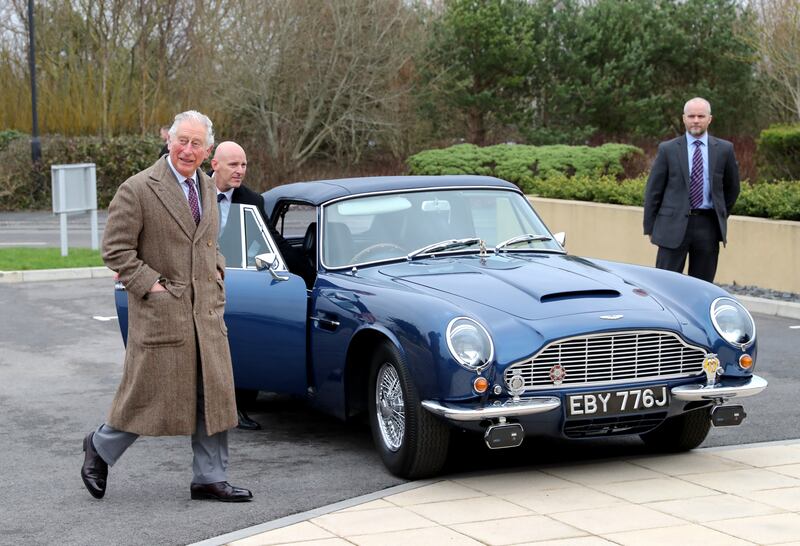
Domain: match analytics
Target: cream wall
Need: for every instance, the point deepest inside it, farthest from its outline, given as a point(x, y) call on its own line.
point(764, 253)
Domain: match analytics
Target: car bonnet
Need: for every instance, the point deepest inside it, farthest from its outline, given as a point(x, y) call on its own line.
point(529, 286)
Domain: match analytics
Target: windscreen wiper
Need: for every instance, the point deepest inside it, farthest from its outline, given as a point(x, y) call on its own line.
point(441, 246)
point(526, 238)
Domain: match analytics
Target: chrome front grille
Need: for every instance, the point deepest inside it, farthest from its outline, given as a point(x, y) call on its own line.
point(609, 357)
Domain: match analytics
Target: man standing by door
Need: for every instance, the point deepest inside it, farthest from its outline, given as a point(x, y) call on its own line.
point(693, 185)
point(161, 239)
point(230, 165)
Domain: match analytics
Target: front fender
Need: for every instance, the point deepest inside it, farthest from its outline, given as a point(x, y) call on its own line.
point(689, 300)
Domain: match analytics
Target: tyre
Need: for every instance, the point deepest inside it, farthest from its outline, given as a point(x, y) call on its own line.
point(411, 442)
point(680, 433)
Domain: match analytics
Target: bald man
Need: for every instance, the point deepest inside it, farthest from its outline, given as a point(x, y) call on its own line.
point(230, 165)
point(691, 190)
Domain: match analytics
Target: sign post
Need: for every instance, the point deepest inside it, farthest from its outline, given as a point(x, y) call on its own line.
point(74, 189)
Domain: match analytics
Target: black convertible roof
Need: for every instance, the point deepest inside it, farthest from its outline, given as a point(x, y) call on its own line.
point(321, 191)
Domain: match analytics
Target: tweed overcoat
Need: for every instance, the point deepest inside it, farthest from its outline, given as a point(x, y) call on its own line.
point(150, 234)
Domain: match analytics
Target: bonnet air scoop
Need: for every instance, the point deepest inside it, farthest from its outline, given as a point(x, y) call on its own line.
point(578, 294)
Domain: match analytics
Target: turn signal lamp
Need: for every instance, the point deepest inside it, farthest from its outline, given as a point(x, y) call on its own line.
point(481, 384)
point(746, 362)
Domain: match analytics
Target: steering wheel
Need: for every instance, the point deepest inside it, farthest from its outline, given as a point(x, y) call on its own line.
point(375, 248)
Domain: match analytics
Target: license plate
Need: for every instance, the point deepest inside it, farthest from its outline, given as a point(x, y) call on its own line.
point(594, 404)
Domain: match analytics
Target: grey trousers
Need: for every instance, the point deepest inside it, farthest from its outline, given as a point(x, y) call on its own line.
point(210, 460)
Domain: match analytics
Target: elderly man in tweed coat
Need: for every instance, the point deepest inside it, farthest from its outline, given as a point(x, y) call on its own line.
point(161, 239)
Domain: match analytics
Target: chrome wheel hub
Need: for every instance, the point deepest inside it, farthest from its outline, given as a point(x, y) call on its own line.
point(390, 407)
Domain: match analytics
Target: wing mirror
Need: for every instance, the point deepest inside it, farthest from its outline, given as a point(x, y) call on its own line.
point(269, 261)
point(560, 237)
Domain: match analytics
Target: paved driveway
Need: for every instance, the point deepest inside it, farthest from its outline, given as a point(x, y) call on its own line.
point(59, 368)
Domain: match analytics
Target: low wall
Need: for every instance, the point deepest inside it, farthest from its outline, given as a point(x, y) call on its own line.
point(764, 253)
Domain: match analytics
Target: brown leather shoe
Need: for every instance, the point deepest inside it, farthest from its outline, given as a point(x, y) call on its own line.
point(94, 471)
point(221, 491)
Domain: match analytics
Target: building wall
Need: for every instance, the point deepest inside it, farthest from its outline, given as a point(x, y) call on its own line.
point(764, 253)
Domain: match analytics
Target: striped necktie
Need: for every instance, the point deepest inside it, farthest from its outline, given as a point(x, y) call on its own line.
point(696, 178)
point(194, 205)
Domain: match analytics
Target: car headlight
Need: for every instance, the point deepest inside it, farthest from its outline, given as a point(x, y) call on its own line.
point(733, 322)
point(469, 343)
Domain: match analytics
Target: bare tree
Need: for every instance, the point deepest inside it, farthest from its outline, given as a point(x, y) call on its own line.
point(109, 66)
point(777, 41)
point(311, 77)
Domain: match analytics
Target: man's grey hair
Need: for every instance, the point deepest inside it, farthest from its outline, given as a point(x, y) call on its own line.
point(196, 116)
point(701, 99)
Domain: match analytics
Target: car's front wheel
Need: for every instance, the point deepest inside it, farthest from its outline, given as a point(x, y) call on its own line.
point(411, 442)
point(680, 433)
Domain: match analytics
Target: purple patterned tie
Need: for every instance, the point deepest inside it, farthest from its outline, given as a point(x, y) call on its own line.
point(696, 178)
point(193, 204)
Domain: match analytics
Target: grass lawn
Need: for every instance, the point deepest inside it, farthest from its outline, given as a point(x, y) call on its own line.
point(23, 258)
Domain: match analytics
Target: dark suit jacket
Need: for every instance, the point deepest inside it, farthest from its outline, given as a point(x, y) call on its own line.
point(246, 196)
point(666, 196)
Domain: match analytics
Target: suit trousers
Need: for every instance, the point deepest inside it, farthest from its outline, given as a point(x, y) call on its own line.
point(700, 243)
point(210, 453)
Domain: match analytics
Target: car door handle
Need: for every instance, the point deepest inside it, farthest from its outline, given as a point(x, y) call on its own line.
point(326, 323)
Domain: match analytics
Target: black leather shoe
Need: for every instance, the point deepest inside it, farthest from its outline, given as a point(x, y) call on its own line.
point(245, 423)
point(94, 471)
point(221, 491)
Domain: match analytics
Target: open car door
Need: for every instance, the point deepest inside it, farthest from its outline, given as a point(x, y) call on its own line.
point(265, 311)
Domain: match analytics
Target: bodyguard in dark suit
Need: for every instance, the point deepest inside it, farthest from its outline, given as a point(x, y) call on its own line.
point(693, 185)
point(230, 165)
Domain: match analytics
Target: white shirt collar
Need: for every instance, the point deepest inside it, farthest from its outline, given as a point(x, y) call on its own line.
point(691, 138)
point(178, 175)
point(228, 194)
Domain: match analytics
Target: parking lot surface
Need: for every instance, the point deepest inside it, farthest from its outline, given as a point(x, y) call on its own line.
point(61, 360)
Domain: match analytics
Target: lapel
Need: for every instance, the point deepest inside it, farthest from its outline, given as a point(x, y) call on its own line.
point(236, 195)
point(683, 158)
point(712, 157)
point(209, 199)
point(169, 192)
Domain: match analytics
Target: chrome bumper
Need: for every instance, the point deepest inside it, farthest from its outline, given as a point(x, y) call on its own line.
point(510, 408)
point(694, 393)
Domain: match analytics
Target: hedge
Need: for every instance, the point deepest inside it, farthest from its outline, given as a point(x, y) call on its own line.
point(117, 158)
point(9, 135)
point(520, 163)
point(775, 200)
point(596, 175)
point(779, 153)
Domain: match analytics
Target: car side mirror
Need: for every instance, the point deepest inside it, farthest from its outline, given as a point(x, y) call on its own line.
point(269, 261)
point(560, 237)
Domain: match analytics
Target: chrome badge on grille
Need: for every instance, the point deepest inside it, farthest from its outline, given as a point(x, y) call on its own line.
point(557, 374)
point(712, 368)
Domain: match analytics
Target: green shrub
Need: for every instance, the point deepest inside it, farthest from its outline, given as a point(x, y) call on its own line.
point(521, 164)
point(588, 174)
point(8, 135)
point(779, 153)
point(776, 200)
point(603, 189)
point(27, 186)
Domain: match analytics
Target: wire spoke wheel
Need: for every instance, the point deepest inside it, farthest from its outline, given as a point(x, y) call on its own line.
point(411, 441)
point(390, 408)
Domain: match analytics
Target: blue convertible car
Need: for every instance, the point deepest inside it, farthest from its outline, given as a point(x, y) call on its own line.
point(434, 303)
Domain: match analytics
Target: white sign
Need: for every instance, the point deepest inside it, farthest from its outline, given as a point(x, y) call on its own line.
point(74, 189)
